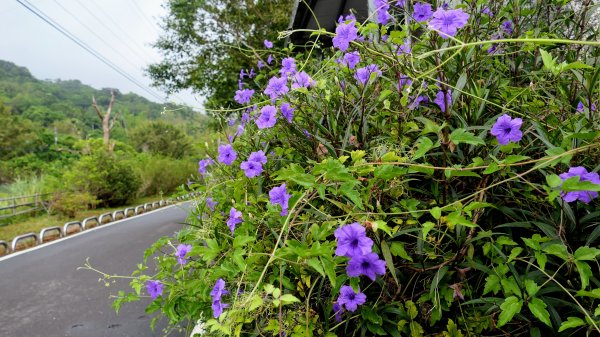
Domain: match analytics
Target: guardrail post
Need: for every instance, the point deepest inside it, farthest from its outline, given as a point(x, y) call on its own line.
point(16, 240)
point(6, 249)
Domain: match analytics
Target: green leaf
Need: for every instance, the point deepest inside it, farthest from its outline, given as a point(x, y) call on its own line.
point(541, 259)
point(586, 253)
point(574, 184)
point(492, 167)
point(514, 253)
point(333, 170)
point(288, 299)
point(556, 249)
point(387, 172)
point(255, 303)
point(429, 126)
point(549, 62)
point(436, 212)
point(357, 155)
point(424, 144)
point(510, 308)
point(315, 264)
point(538, 309)
point(492, 283)
point(348, 190)
point(557, 152)
point(329, 268)
point(428, 226)
point(510, 286)
point(513, 158)
point(241, 240)
point(295, 173)
point(411, 309)
point(531, 286)
point(370, 315)
point(455, 218)
point(387, 256)
point(397, 249)
point(585, 272)
point(553, 180)
point(382, 225)
point(571, 322)
point(459, 136)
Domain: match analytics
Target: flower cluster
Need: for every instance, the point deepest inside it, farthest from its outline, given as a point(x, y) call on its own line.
point(279, 196)
point(583, 196)
point(253, 167)
point(181, 251)
point(216, 293)
point(353, 243)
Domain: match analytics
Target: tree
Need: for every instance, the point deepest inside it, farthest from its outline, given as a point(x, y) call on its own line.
point(161, 138)
point(108, 120)
point(207, 42)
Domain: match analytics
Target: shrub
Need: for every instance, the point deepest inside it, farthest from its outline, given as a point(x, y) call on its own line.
point(69, 204)
point(440, 186)
point(104, 176)
point(162, 175)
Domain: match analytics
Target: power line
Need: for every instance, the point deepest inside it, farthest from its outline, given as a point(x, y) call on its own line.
point(37, 12)
point(141, 12)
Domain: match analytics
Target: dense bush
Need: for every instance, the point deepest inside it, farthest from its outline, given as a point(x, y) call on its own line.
point(411, 183)
point(103, 175)
point(69, 204)
point(161, 175)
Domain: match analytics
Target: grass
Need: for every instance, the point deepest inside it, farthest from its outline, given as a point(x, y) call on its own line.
point(37, 223)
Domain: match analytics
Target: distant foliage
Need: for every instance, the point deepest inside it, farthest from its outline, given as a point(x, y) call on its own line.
point(69, 204)
point(162, 139)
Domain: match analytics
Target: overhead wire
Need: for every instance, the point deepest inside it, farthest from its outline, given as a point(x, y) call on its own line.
point(40, 14)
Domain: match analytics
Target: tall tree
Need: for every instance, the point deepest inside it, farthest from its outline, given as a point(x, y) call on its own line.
point(108, 120)
point(205, 43)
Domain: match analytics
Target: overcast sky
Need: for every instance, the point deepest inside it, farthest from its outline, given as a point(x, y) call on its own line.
point(120, 30)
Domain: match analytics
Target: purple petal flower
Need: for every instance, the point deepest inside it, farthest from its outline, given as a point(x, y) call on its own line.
point(211, 203)
point(350, 59)
point(364, 74)
point(269, 59)
point(302, 80)
point(260, 65)
point(439, 99)
point(580, 107)
point(239, 130)
point(203, 164)
point(306, 133)
point(352, 240)
point(404, 81)
point(154, 288)
point(279, 196)
point(216, 293)
point(251, 168)
point(369, 265)
point(418, 101)
point(287, 111)
point(267, 117)
point(288, 66)
point(181, 252)
point(344, 34)
point(486, 10)
point(507, 129)
point(583, 196)
point(338, 310)
point(226, 154)
point(235, 217)
point(349, 299)
point(242, 74)
point(268, 44)
point(422, 11)
point(382, 7)
point(217, 307)
point(401, 3)
point(507, 27)
point(448, 22)
point(251, 73)
point(258, 156)
point(276, 87)
point(404, 49)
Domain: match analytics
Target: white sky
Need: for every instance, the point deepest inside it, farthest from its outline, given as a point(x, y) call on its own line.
point(119, 30)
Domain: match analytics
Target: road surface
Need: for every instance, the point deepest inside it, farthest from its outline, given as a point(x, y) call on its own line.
point(43, 294)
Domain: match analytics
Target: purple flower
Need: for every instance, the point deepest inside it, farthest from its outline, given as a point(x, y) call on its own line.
point(288, 65)
point(447, 22)
point(211, 203)
point(405, 48)
point(203, 164)
point(580, 107)
point(251, 168)
point(583, 196)
point(258, 156)
point(154, 288)
point(306, 133)
point(226, 154)
point(364, 74)
point(507, 27)
point(239, 130)
point(269, 59)
point(260, 65)
point(349, 299)
point(287, 111)
point(352, 240)
point(181, 252)
point(267, 117)
point(268, 44)
point(351, 59)
point(302, 80)
point(507, 130)
point(486, 10)
point(369, 265)
point(401, 3)
point(344, 34)
point(235, 217)
point(422, 11)
point(404, 81)
point(382, 7)
point(245, 118)
point(338, 310)
point(216, 293)
point(417, 102)
point(251, 73)
point(346, 18)
point(279, 196)
point(242, 74)
point(439, 99)
point(277, 87)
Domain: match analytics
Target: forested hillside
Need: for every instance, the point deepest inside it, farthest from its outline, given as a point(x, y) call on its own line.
point(47, 123)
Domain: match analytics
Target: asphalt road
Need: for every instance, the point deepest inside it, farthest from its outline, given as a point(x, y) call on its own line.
point(43, 294)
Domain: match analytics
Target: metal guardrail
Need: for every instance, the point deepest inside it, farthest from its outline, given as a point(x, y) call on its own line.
point(6, 248)
point(43, 232)
point(129, 212)
point(156, 205)
point(118, 215)
point(148, 206)
point(162, 203)
point(66, 228)
point(105, 218)
point(139, 210)
point(15, 242)
point(90, 222)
